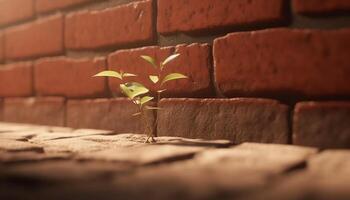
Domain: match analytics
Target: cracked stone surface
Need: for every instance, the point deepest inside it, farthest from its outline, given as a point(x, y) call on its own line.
point(41, 162)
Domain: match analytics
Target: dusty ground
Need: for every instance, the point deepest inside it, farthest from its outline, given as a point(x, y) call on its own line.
point(38, 162)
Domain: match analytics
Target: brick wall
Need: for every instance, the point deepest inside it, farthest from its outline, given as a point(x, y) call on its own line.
point(275, 71)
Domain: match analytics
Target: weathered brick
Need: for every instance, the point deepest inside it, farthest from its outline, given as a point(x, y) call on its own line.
point(317, 7)
point(42, 6)
point(16, 79)
point(267, 158)
point(332, 162)
point(117, 26)
point(283, 62)
point(107, 114)
point(70, 77)
point(230, 172)
point(194, 61)
point(306, 184)
point(239, 120)
point(1, 110)
point(1, 47)
point(45, 110)
point(15, 10)
point(322, 124)
point(38, 38)
point(197, 15)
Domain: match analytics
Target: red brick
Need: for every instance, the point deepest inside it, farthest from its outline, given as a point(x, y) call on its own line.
point(322, 124)
point(61, 76)
point(46, 110)
point(15, 10)
point(195, 15)
point(1, 47)
point(194, 61)
point(16, 80)
point(106, 114)
point(239, 120)
point(283, 62)
point(317, 7)
point(39, 38)
point(1, 110)
point(117, 26)
point(43, 6)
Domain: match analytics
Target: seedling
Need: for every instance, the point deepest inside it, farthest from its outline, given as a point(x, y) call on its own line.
point(138, 94)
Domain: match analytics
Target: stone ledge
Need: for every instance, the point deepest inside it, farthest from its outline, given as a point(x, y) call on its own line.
point(99, 164)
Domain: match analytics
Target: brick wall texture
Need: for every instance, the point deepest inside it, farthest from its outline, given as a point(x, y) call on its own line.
point(272, 71)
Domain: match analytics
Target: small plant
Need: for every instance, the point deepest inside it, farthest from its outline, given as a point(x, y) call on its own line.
point(139, 94)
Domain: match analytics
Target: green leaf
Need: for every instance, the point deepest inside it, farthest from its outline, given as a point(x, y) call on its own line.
point(152, 108)
point(168, 59)
point(133, 89)
point(146, 99)
point(110, 73)
point(173, 76)
point(135, 86)
point(126, 91)
point(128, 75)
point(154, 79)
point(150, 60)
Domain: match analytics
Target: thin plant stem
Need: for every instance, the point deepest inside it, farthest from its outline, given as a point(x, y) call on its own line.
point(147, 127)
point(142, 119)
point(158, 94)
